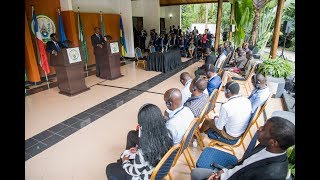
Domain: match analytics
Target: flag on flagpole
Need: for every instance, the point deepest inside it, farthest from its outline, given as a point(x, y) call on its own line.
point(122, 39)
point(84, 48)
point(40, 46)
point(102, 25)
point(63, 37)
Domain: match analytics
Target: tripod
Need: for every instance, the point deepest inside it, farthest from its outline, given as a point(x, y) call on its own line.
point(284, 44)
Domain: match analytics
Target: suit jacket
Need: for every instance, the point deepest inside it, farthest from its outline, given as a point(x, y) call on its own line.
point(95, 41)
point(50, 46)
point(214, 83)
point(270, 168)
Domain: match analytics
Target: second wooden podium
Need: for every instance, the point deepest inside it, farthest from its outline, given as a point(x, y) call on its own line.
point(108, 58)
point(69, 71)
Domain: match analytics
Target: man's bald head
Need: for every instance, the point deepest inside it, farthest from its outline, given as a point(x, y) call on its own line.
point(173, 97)
point(199, 83)
point(184, 77)
point(259, 81)
point(261, 78)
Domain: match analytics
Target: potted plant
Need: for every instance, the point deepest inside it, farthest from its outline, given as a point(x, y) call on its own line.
point(291, 159)
point(276, 70)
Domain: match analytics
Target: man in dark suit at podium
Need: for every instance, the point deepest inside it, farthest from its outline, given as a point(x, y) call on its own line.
point(97, 41)
point(54, 46)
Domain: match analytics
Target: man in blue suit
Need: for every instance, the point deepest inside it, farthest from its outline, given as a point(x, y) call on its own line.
point(214, 81)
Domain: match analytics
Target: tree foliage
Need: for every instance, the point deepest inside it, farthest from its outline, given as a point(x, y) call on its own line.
point(196, 13)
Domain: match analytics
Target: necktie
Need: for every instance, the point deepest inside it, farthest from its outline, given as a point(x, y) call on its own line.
point(57, 46)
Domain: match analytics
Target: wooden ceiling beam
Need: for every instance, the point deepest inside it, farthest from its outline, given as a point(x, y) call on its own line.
point(181, 2)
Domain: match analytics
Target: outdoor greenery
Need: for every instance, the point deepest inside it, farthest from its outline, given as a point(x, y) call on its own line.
point(278, 67)
point(196, 13)
point(265, 29)
point(243, 15)
point(291, 158)
point(245, 12)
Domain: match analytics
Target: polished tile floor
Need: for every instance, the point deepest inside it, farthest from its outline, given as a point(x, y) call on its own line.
point(74, 138)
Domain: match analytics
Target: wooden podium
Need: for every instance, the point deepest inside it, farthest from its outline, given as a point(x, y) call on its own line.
point(69, 71)
point(108, 58)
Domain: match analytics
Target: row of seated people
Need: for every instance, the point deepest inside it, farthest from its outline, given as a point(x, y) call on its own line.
point(157, 132)
point(186, 44)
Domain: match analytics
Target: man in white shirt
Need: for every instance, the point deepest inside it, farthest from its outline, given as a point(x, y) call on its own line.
point(185, 80)
point(260, 93)
point(178, 117)
point(268, 160)
point(234, 115)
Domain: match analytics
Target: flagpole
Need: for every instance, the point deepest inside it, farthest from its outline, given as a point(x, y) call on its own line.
point(47, 79)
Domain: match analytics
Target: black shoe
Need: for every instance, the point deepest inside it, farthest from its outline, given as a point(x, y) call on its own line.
point(98, 75)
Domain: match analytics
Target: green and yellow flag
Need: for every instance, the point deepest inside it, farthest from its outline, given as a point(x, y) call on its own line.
point(122, 40)
point(83, 48)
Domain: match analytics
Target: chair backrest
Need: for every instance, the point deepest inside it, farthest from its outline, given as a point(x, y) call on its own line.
point(188, 135)
point(207, 107)
point(138, 53)
point(248, 78)
point(251, 145)
point(165, 164)
point(229, 56)
point(152, 49)
point(215, 98)
point(264, 105)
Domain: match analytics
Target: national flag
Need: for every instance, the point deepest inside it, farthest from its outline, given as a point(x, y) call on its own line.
point(122, 39)
point(40, 46)
point(102, 25)
point(63, 37)
point(84, 48)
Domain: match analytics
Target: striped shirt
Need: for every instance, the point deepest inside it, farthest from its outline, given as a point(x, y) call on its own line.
point(197, 103)
point(140, 169)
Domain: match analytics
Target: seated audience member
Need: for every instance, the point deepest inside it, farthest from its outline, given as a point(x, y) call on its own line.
point(226, 47)
point(198, 98)
point(178, 117)
point(251, 46)
point(245, 47)
point(185, 79)
point(227, 75)
point(260, 93)
point(268, 160)
point(239, 61)
point(234, 115)
point(155, 141)
point(191, 47)
point(210, 59)
point(214, 80)
point(221, 56)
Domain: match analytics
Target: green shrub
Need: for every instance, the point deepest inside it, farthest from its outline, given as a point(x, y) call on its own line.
point(276, 68)
point(291, 158)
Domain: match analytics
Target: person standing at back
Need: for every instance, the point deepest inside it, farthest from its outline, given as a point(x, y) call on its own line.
point(97, 41)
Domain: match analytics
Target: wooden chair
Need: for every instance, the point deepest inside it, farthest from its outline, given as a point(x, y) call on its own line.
point(162, 170)
point(204, 114)
point(231, 144)
point(140, 59)
point(247, 81)
point(185, 144)
point(224, 159)
point(262, 109)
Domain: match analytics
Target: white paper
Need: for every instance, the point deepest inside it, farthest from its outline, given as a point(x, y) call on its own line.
point(128, 153)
